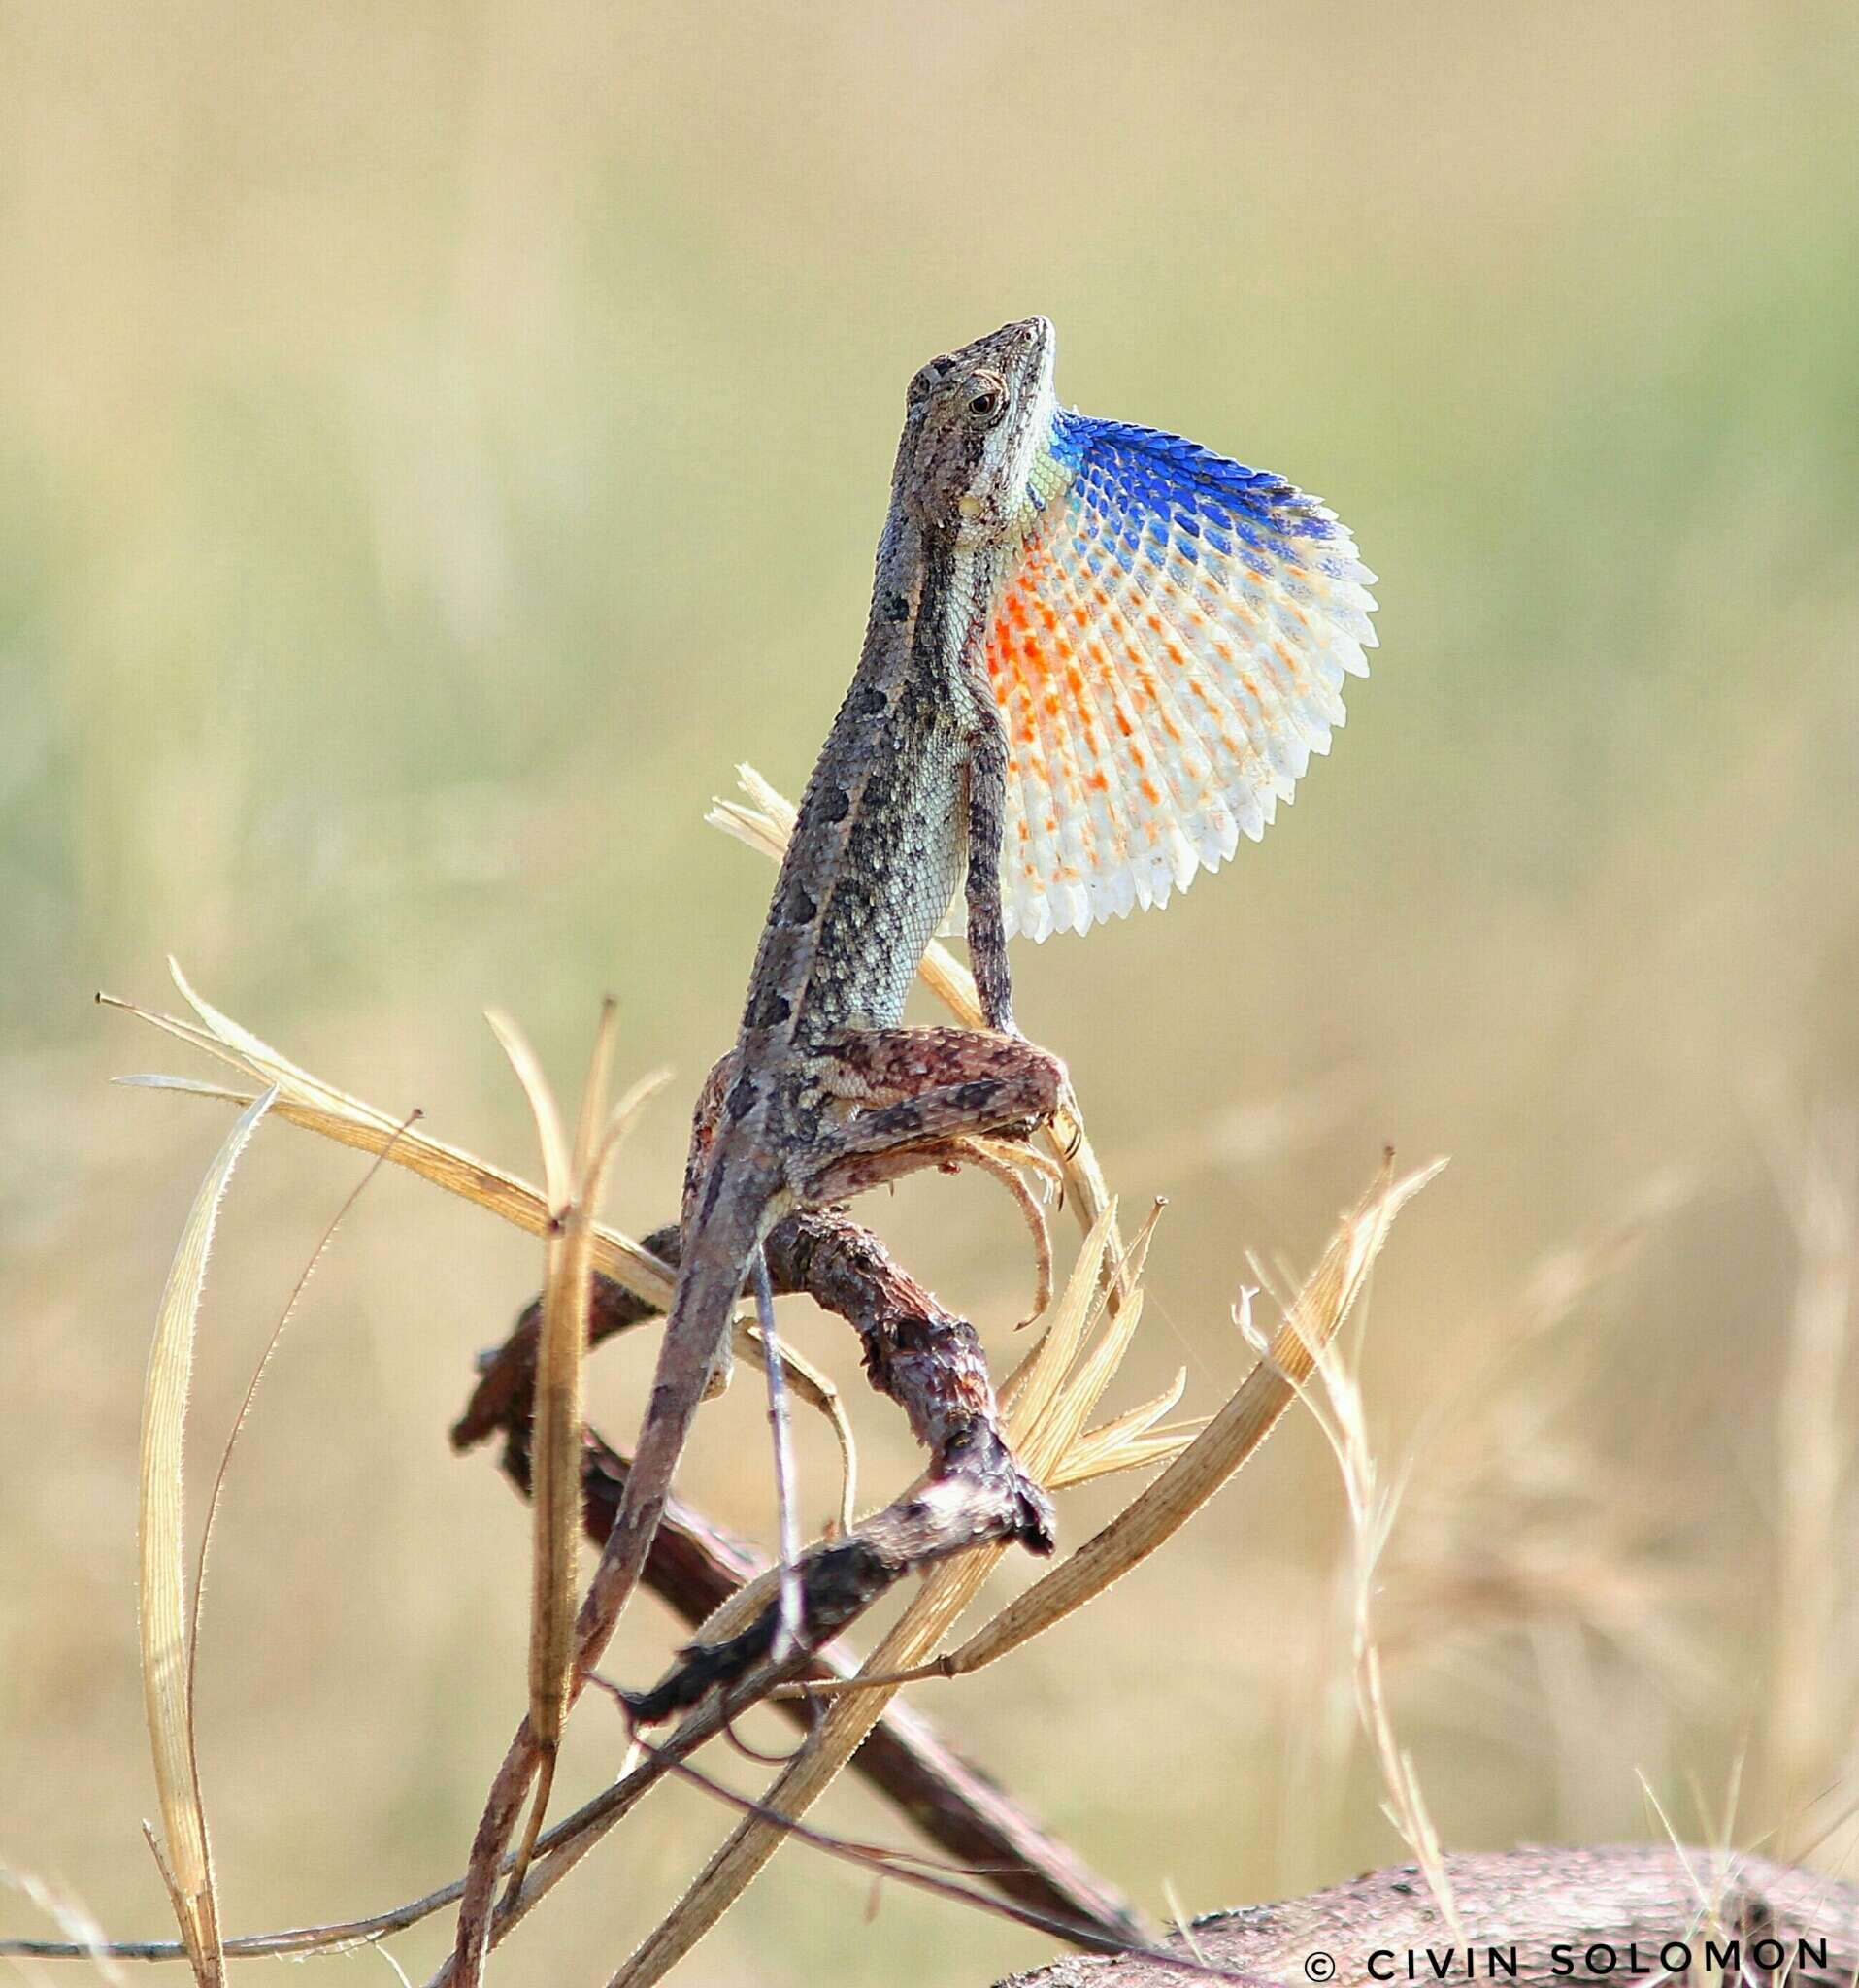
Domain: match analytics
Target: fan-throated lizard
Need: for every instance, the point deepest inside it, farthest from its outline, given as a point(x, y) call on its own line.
point(1096, 655)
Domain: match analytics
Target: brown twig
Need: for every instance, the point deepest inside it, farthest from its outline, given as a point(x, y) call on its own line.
point(977, 1496)
point(929, 1361)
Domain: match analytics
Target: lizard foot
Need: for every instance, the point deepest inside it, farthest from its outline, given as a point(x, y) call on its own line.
point(979, 1494)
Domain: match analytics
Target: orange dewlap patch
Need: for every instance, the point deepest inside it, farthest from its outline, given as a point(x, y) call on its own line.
point(1159, 692)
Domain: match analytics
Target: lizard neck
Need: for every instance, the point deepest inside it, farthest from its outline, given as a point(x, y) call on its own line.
point(955, 598)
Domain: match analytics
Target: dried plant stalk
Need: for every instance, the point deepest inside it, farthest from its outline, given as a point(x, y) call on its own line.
point(575, 1181)
point(555, 1508)
point(1335, 1402)
point(1817, 1171)
point(1213, 1456)
point(337, 1114)
point(161, 1572)
point(1033, 1426)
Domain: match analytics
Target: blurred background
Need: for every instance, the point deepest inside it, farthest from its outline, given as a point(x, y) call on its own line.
point(436, 444)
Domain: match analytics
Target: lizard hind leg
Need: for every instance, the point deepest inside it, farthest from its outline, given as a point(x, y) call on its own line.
point(934, 1097)
point(965, 1082)
point(913, 1090)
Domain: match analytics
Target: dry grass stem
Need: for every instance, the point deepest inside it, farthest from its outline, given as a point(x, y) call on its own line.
point(566, 1641)
point(787, 1625)
point(337, 1114)
point(84, 1938)
point(1336, 1404)
point(216, 1495)
point(184, 1851)
point(1817, 1171)
point(1033, 1427)
point(576, 1180)
point(940, 1880)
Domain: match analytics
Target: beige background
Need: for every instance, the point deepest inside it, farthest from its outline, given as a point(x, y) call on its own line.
point(437, 443)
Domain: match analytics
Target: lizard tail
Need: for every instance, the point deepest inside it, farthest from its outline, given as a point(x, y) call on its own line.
point(734, 1206)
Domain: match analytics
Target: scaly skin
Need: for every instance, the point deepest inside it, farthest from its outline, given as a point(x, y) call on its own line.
point(1098, 655)
point(825, 1092)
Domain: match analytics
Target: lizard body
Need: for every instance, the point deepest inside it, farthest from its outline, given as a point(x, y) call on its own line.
point(1097, 655)
point(825, 1092)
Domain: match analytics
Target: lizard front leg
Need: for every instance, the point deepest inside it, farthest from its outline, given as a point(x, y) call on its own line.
point(987, 827)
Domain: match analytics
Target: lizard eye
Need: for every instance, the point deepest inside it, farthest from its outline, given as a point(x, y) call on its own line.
point(987, 405)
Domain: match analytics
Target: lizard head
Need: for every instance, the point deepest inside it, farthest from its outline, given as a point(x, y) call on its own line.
point(974, 423)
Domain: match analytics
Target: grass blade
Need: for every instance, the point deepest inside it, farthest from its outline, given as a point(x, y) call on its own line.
point(336, 1114)
point(161, 1573)
point(1034, 1427)
point(542, 1104)
point(555, 1501)
point(1165, 1505)
point(560, 1368)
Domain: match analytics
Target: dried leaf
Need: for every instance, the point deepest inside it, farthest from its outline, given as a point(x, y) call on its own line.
point(1034, 1430)
point(1164, 1507)
point(1115, 1445)
point(335, 1115)
point(161, 1574)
